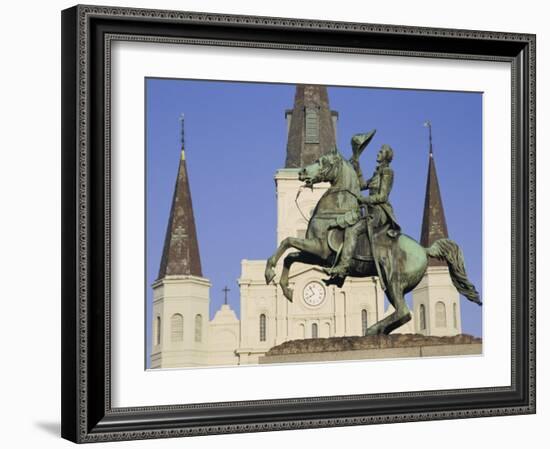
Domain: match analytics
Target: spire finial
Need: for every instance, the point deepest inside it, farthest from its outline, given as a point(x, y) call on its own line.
point(428, 124)
point(182, 135)
point(225, 290)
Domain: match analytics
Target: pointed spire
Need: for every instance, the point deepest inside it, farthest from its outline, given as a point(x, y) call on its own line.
point(434, 225)
point(311, 128)
point(181, 249)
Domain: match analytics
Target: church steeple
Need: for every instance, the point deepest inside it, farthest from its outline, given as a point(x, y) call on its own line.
point(181, 249)
point(434, 226)
point(311, 126)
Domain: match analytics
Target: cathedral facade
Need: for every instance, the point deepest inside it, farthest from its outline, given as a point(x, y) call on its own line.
point(184, 336)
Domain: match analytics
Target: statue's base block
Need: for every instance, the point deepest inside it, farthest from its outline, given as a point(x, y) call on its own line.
point(372, 347)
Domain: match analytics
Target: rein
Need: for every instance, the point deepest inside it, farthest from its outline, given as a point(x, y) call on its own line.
point(328, 215)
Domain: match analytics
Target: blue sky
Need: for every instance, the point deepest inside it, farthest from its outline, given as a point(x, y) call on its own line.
point(235, 138)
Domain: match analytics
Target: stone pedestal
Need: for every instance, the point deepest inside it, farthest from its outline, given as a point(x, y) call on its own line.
point(372, 347)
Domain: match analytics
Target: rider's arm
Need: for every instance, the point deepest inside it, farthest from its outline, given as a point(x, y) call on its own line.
point(386, 182)
point(364, 185)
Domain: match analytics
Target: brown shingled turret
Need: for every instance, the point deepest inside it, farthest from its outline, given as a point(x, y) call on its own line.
point(181, 249)
point(311, 131)
point(434, 226)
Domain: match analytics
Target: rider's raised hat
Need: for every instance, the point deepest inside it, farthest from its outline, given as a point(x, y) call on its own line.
point(360, 141)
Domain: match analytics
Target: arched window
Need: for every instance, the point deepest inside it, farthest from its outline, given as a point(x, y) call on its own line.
point(262, 327)
point(302, 331)
point(422, 318)
point(157, 330)
point(314, 330)
point(327, 330)
point(455, 316)
point(364, 323)
point(176, 325)
point(440, 315)
point(198, 328)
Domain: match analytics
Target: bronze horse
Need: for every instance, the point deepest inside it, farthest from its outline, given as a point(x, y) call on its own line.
point(403, 261)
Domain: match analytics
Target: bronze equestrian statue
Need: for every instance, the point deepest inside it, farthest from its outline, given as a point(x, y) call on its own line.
point(352, 235)
point(380, 212)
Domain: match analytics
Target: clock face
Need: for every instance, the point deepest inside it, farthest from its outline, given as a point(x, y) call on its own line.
point(314, 293)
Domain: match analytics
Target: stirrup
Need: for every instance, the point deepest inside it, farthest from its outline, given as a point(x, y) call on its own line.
point(337, 271)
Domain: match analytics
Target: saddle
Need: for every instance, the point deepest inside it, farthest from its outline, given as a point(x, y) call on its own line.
point(362, 250)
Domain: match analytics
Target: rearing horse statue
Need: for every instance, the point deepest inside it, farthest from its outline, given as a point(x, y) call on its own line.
point(403, 261)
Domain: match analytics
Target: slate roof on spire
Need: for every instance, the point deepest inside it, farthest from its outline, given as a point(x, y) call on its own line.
point(181, 249)
point(434, 225)
point(311, 133)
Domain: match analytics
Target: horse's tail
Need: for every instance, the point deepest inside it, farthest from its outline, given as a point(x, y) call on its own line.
point(450, 252)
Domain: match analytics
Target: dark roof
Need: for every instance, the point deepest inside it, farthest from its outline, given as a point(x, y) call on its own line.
point(434, 226)
point(300, 152)
point(181, 249)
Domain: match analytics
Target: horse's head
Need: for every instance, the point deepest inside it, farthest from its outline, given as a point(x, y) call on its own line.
point(324, 169)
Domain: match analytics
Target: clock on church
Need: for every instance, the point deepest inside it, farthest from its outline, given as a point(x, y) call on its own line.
point(314, 293)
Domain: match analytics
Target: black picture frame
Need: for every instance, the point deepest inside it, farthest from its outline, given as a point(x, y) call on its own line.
point(87, 414)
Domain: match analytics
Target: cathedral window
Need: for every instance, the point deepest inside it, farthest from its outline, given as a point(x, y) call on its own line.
point(262, 327)
point(455, 316)
point(440, 314)
point(314, 331)
point(364, 323)
point(422, 318)
point(157, 330)
point(198, 328)
point(176, 326)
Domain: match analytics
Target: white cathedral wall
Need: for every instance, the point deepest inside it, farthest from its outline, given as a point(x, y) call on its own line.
point(436, 286)
point(257, 298)
point(224, 337)
point(290, 221)
point(338, 315)
point(189, 297)
point(302, 316)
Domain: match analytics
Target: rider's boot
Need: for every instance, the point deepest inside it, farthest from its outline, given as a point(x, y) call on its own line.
point(341, 270)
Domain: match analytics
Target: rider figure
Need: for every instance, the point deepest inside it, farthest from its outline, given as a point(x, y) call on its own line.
point(378, 208)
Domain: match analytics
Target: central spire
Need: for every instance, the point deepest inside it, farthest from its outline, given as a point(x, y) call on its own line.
point(434, 225)
point(311, 126)
point(181, 249)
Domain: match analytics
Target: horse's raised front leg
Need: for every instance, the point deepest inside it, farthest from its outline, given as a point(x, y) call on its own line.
point(297, 256)
point(311, 246)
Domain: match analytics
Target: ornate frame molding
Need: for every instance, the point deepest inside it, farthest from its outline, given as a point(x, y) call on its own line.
point(88, 31)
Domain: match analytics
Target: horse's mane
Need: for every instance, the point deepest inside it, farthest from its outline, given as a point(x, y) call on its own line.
point(354, 178)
